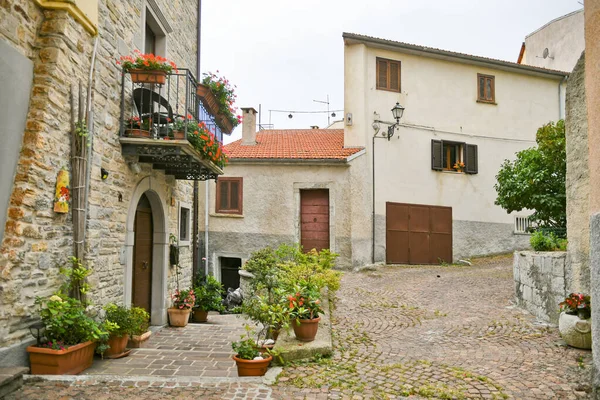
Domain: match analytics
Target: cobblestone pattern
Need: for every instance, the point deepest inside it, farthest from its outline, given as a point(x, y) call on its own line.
point(198, 350)
point(119, 389)
point(439, 332)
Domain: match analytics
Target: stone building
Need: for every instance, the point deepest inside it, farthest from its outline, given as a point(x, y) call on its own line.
point(47, 47)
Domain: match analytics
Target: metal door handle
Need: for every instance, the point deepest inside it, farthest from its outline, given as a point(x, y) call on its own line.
point(144, 264)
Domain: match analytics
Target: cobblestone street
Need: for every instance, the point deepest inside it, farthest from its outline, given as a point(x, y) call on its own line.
point(427, 332)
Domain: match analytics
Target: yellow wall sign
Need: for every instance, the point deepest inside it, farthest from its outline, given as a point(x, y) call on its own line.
point(84, 11)
point(62, 196)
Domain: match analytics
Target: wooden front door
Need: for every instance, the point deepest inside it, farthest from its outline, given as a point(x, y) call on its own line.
point(314, 219)
point(142, 255)
point(418, 234)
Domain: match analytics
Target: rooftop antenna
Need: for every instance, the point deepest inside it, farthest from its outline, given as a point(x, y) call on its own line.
point(328, 115)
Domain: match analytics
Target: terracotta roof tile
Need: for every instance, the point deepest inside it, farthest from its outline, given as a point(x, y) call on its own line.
point(307, 144)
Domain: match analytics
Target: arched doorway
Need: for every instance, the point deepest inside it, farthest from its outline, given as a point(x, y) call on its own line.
point(146, 250)
point(142, 255)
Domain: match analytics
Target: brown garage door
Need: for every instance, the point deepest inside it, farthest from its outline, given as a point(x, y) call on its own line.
point(314, 217)
point(418, 234)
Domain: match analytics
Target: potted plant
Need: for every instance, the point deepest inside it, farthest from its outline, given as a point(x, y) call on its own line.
point(140, 322)
point(271, 312)
point(70, 337)
point(574, 322)
point(136, 127)
point(224, 92)
point(147, 68)
point(305, 307)
point(183, 301)
point(205, 142)
point(459, 166)
point(248, 359)
point(118, 323)
point(208, 293)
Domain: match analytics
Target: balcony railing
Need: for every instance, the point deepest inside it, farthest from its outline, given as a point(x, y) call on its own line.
point(148, 115)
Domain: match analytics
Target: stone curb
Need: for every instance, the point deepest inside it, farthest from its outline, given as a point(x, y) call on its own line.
point(143, 378)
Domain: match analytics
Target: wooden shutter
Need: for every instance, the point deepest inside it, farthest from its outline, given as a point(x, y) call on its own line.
point(382, 74)
point(471, 160)
point(395, 76)
point(437, 156)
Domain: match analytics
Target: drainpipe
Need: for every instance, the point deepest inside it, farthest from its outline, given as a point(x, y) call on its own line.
point(560, 114)
point(196, 205)
point(373, 215)
point(206, 229)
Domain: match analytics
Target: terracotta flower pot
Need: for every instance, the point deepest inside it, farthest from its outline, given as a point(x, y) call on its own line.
point(70, 361)
point(225, 124)
point(306, 329)
point(178, 318)
point(138, 133)
point(117, 346)
point(140, 341)
point(252, 367)
point(200, 315)
point(178, 135)
point(146, 76)
point(575, 331)
point(208, 99)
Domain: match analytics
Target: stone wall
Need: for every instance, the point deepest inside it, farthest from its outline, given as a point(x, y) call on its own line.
point(37, 240)
point(540, 282)
point(577, 182)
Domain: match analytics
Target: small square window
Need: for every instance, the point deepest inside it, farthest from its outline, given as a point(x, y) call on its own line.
point(388, 75)
point(229, 195)
point(486, 88)
point(185, 217)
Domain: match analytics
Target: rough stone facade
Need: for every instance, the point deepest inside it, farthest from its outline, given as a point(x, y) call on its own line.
point(37, 240)
point(577, 182)
point(540, 282)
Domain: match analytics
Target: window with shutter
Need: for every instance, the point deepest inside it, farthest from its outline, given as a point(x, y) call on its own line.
point(437, 155)
point(229, 195)
point(486, 89)
point(471, 161)
point(388, 75)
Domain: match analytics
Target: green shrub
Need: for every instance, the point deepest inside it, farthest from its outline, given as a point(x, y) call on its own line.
point(547, 241)
point(118, 315)
point(140, 321)
point(209, 293)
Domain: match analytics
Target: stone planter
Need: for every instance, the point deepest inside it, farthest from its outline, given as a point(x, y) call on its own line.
point(252, 367)
point(70, 361)
point(140, 341)
point(575, 331)
point(144, 76)
point(117, 347)
point(306, 329)
point(199, 315)
point(178, 318)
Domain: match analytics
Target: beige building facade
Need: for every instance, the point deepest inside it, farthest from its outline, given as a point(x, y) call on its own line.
point(47, 48)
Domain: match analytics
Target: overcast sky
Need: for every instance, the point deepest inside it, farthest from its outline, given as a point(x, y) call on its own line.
point(285, 54)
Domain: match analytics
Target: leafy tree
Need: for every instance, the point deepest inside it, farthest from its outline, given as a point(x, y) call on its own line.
point(536, 179)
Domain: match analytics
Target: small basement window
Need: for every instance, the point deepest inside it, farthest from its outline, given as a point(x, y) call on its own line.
point(454, 156)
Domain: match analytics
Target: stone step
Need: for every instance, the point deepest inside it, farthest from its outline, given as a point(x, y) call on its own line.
point(11, 379)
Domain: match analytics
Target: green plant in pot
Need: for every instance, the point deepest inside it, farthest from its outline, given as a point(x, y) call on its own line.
point(117, 321)
point(305, 307)
point(208, 293)
point(69, 333)
point(248, 359)
point(270, 313)
point(140, 322)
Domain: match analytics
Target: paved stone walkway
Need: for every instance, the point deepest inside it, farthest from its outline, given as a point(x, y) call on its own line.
point(421, 332)
point(198, 350)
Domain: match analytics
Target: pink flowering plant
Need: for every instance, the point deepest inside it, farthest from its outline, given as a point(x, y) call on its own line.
point(184, 299)
point(54, 345)
point(225, 94)
point(577, 304)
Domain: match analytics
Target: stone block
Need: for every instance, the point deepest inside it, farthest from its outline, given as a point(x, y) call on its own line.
point(558, 286)
point(558, 266)
point(527, 293)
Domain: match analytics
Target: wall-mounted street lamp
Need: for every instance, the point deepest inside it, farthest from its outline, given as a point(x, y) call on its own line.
point(397, 113)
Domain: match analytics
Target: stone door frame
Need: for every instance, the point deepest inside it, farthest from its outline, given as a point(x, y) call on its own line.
point(157, 197)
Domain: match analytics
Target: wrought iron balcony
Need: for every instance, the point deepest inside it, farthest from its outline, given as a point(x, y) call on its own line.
point(149, 122)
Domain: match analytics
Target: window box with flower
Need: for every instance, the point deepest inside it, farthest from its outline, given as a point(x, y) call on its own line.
point(224, 93)
point(137, 127)
point(147, 68)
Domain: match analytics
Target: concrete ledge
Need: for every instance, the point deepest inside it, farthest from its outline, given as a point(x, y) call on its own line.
point(292, 349)
point(11, 379)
